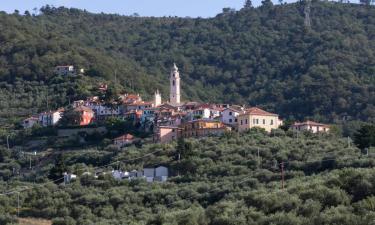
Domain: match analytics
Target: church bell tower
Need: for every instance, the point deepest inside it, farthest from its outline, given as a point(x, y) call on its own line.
point(175, 89)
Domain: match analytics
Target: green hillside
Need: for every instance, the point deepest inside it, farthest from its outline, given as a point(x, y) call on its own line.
point(259, 56)
point(217, 181)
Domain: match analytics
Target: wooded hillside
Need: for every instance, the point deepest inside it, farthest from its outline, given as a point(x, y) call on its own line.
point(262, 56)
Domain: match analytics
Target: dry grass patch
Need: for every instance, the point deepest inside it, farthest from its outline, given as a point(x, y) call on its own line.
point(33, 221)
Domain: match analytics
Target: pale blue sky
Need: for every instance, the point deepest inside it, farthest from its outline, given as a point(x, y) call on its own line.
point(192, 8)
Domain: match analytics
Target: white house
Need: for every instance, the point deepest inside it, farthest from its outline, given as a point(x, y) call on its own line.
point(161, 173)
point(68, 177)
point(119, 175)
point(149, 173)
point(50, 118)
point(311, 126)
point(206, 111)
point(64, 70)
point(30, 122)
point(230, 114)
point(156, 174)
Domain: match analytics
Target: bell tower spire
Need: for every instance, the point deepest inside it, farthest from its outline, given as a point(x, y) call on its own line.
point(175, 88)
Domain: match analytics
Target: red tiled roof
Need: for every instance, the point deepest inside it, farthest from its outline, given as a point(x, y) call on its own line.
point(140, 103)
point(258, 111)
point(64, 66)
point(310, 123)
point(125, 137)
point(83, 108)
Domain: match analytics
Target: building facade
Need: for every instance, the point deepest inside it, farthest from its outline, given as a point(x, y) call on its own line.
point(256, 117)
point(311, 126)
point(123, 140)
point(165, 134)
point(230, 114)
point(203, 128)
point(64, 70)
point(50, 118)
point(86, 115)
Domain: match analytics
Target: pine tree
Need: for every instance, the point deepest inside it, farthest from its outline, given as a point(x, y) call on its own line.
point(248, 4)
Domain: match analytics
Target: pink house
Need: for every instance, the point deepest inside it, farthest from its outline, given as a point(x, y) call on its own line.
point(165, 134)
point(123, 140)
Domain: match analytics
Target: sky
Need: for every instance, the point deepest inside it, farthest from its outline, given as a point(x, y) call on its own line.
point(181, 8)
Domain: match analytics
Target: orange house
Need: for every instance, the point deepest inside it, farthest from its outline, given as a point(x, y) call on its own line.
point(86, 115)
point(202, 128)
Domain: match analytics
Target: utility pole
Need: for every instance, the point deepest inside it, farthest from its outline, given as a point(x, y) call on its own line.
point(18, 204)
point(115, 76)
point(47, 100)
point(282, 175)
point(179, 163)
point(8, 141)
point(348, 142)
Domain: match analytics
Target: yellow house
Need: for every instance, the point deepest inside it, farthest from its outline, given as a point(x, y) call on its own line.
point(202, 128)
point(256, 117)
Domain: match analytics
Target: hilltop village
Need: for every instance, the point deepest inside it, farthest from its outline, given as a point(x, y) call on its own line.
point(166, 120)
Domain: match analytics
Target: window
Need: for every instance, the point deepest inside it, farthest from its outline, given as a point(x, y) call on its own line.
point(235, 120)
point(254, 121)
point(257, 121)
point(271, 122)
point(230, 120)
point(246, 121)
point(230, 113)
point(264, 121)
point(241, 122)
point(173, 82)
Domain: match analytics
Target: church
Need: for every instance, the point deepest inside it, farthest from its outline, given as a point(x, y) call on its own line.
point(174, 89)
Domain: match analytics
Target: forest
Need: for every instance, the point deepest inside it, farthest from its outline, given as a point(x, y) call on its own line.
point(250, 178)
point(264, 56)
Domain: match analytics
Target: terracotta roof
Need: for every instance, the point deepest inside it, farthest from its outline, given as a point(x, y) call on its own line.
point(167, 105)
point(310, 123)
point(64, 66)
point(125, 137)
point(83, 108)
point(140, 103)
point(32, 118)
point(191, 103)
point(204, 120)
point(258, 111)
point(170, 127)
point(235, 108)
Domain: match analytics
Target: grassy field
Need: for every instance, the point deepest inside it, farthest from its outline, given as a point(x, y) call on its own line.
point(33, 221)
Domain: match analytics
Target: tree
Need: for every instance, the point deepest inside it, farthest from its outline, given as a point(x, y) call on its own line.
point(184, 148)
point(59, 168)
point(365, 137)
point(267, 3)
point(248, 4)
point(70, 118)
point(366, 2)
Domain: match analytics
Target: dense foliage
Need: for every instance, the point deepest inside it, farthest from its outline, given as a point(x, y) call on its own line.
point(257, 56)
point(216, 181)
